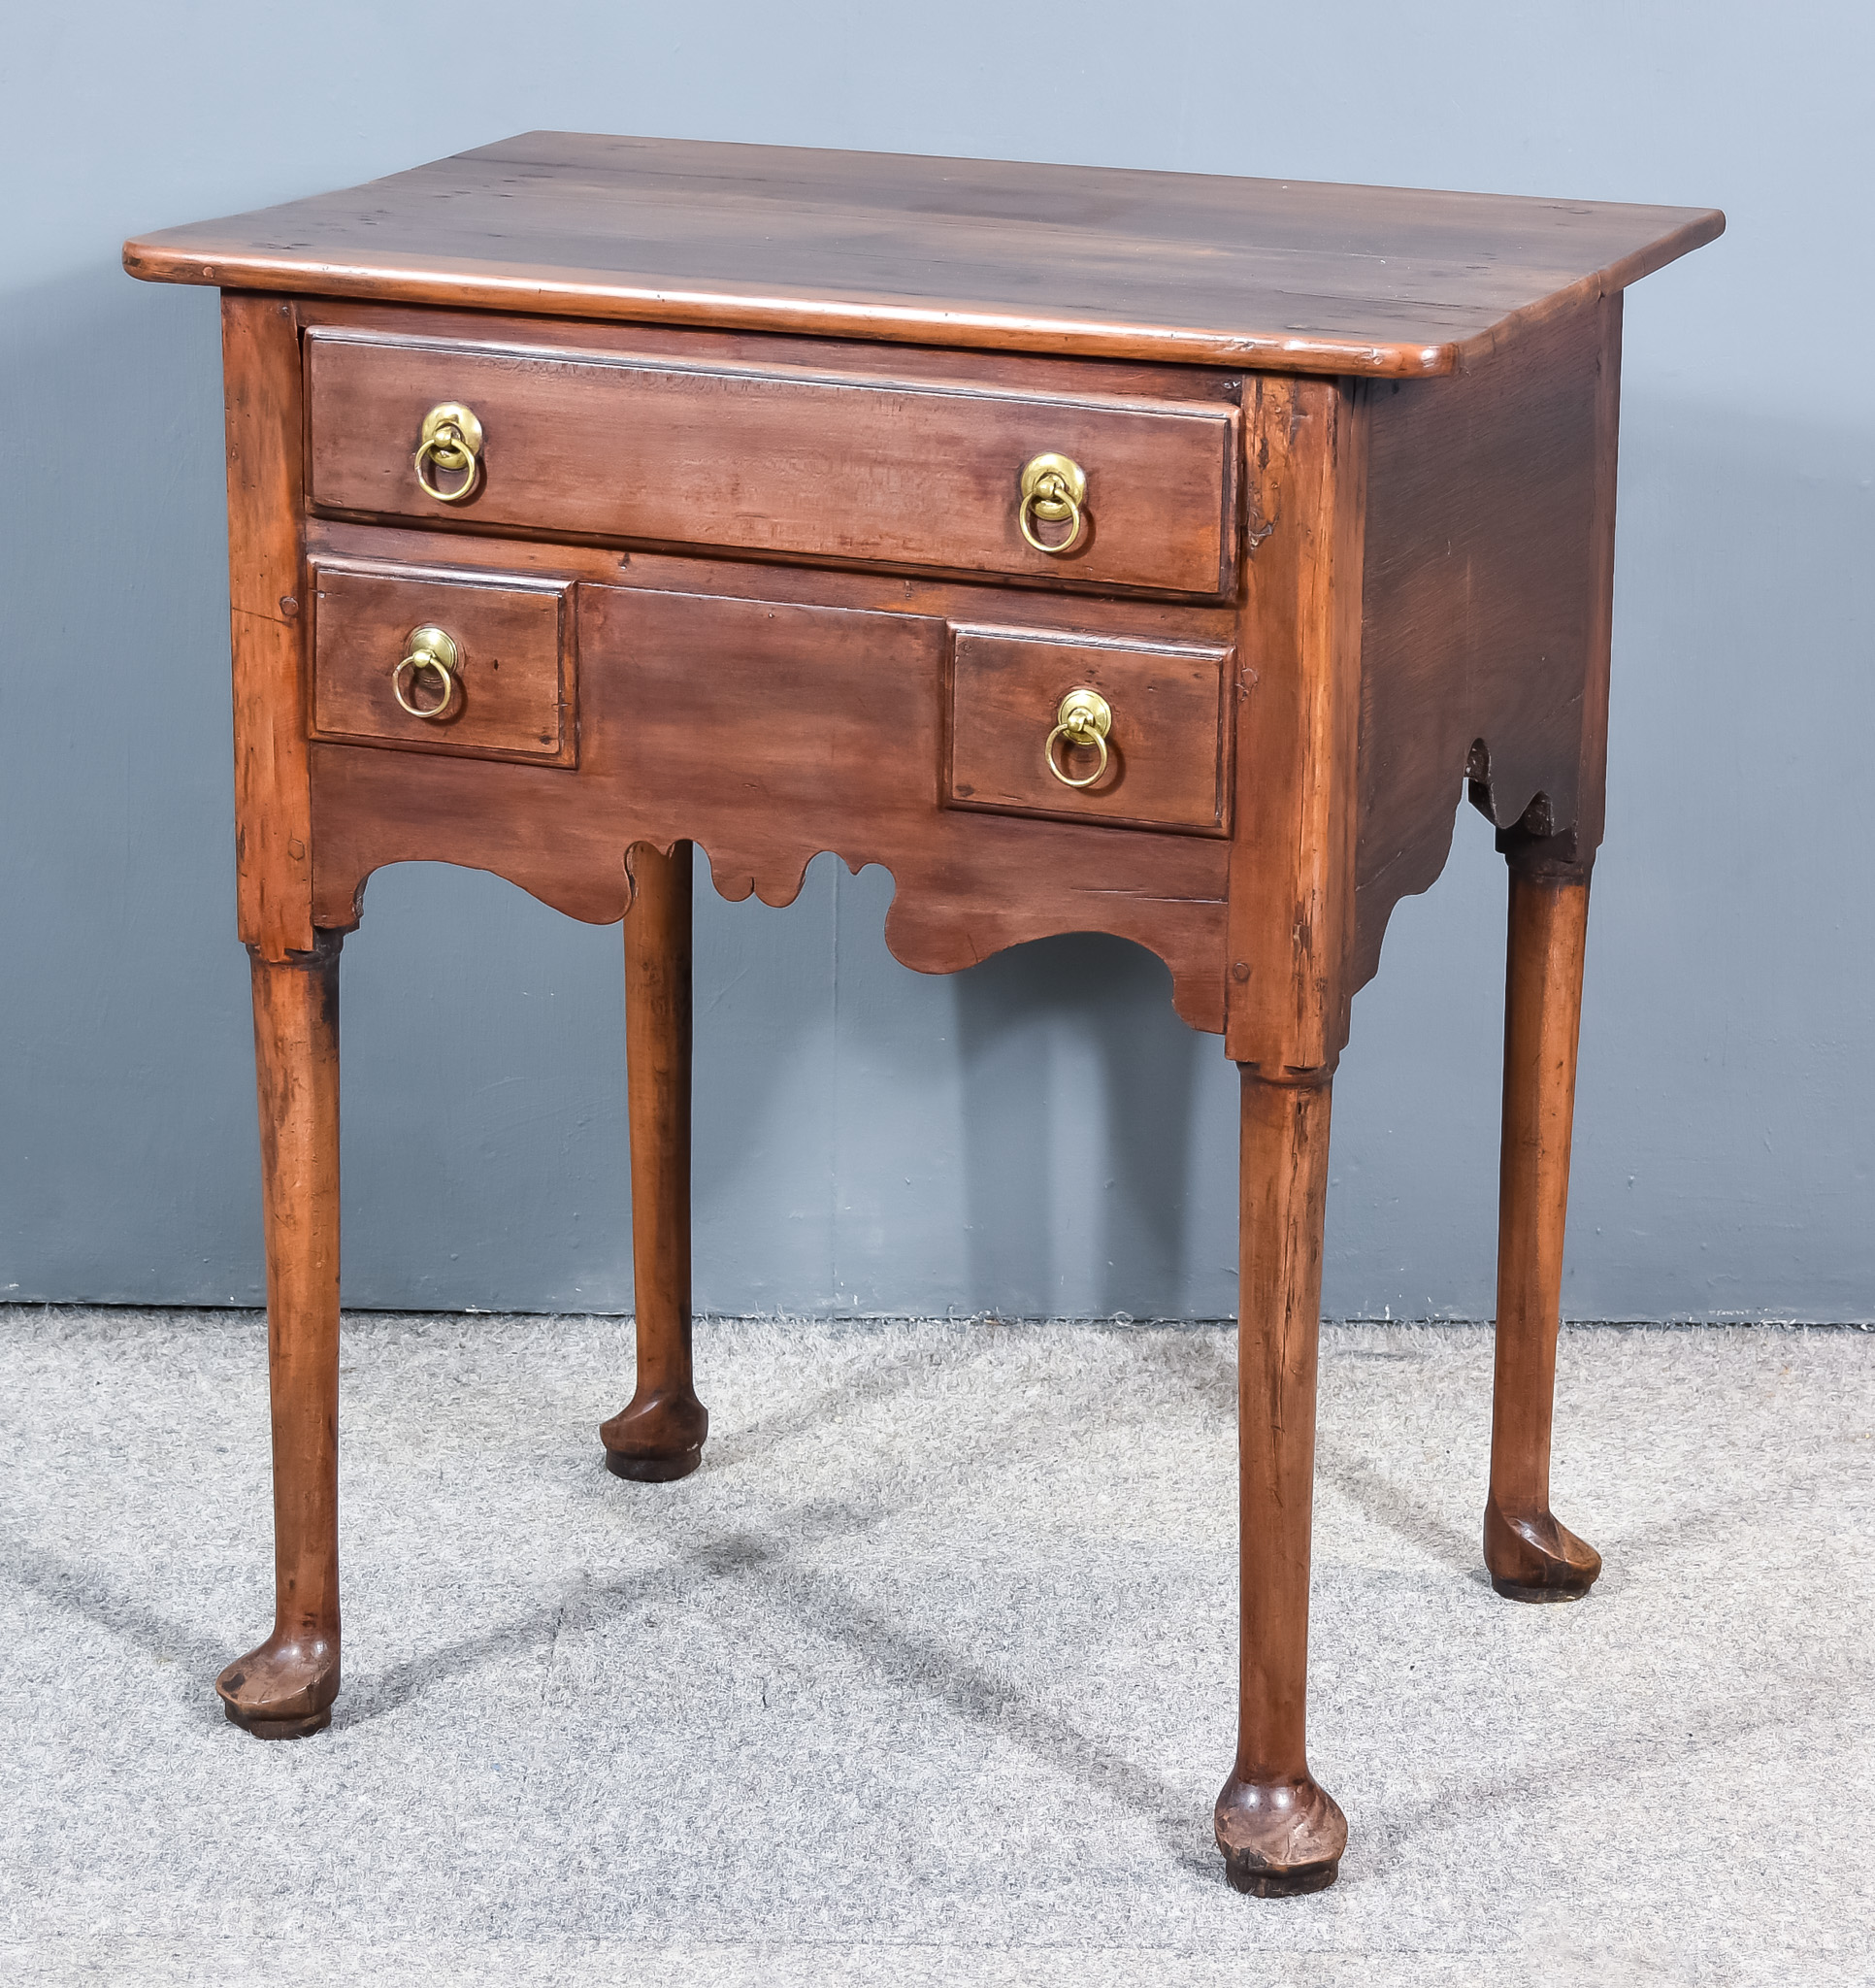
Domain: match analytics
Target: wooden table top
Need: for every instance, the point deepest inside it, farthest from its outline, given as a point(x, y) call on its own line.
point(1289, 276)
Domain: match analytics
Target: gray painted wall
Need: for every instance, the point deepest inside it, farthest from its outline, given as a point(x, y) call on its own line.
point(1039, 1135)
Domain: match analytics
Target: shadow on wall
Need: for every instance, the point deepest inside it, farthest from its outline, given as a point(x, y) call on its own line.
point(123, 994)
point(1019, 1138)
point(1038, 1135)
point(1083, 1021)
point(1724, 1133)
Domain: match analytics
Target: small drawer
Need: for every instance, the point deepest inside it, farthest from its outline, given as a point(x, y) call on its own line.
point(506, 647)
point(848, 467)
point(1167, 743)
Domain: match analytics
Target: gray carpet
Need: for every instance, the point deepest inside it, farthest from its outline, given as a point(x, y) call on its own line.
point(926, 1676)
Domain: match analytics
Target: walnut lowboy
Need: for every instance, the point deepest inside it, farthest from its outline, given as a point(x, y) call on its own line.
point(591, 500)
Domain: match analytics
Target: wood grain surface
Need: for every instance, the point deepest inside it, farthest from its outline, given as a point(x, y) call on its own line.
point(766, 731)
point(514, 638)
point(803, 620)
point(795, 463)
point(1279, 1830)
point(284, 1688)
point(1288, 276)
point(1486, 606)
point(1167, 753)
point(260, 374)
point(658, 1435)
point(1532, 1555)
point(1293, 854)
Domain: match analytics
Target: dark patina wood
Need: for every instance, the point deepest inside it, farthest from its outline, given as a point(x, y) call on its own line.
point(1285, 276)
point(1485, 604)
point(766, 731)
point(1531, 1556)
point(743, 538)
point(284, 1689)
point(1279, 1830)
point(513, 665)
point(757, 457)
point(659, 1433)
point(1168, 751)
point(260, 359)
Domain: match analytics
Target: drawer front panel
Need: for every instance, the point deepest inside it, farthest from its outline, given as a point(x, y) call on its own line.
point(779, 461)
point(766, 732)
point(1167, 749)
point(512, 661)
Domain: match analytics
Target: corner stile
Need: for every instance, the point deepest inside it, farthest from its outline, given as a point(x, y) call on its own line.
point(266, 508)
point(1591, 788)
point(1290, 919)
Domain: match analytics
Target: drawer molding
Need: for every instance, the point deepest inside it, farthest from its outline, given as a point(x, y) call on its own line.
point(774, 461)
point(363, 612)
point(1169, 748)
point(765, 732)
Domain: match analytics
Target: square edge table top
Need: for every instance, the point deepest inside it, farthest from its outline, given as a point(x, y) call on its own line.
point(1285, 276)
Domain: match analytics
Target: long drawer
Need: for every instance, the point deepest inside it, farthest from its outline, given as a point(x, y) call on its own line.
point(782, 461)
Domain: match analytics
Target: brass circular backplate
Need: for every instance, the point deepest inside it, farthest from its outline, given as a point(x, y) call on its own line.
point(1052, 508)
point(430, 645)
point(446, 453)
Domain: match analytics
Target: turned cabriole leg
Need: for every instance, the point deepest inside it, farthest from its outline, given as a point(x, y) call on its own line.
point(1531, 1557)
point(659, 1434)
point(1280, 1833)
point(285, 1688)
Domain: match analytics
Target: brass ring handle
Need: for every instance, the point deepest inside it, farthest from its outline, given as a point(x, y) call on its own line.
point(451, 441)
point(1054, 491)
point(1085, 718)
point(429, 649)
point(1048, 754)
